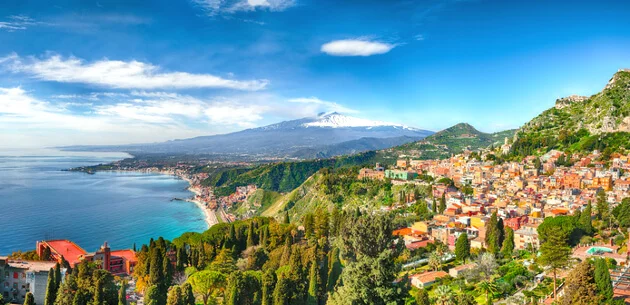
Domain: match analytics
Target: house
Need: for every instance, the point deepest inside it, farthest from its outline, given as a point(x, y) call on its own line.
point(19, 277)
point(456, 271)
point(424, 280)
point(118, 262)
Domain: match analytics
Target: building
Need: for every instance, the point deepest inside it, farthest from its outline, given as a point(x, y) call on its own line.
point(19, 277)
point(456, 271)
point(424, 280)
point(400, 174)
point(118, 262)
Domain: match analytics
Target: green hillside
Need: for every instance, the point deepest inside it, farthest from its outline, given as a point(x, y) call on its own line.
point(580, 124)
point(449, 141)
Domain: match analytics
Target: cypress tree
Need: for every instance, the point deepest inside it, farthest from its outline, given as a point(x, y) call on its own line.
point(175, 296)
point(443, 203)
point(29, 299)
point(182, 258)
point(122, 294)
point(286, 252)
point(58, 278)
point(585, 221)
point(434, 206)
point(51, 290)
point(500, 232)
point(462, 247)
point(286, 218)
point(313, 285)
point(602, 279)
point(167, 272)
point(268, 284)
point(189, 296)
point(335, 270)
point(508, 242)
point(250, 236)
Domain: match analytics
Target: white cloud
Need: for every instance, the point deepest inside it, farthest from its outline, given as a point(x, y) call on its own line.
point(322, 106)
point(216, 7)
point(120, 74)
point(17, 23)
point(419, 37)
point(140, 116)
point(356, 47)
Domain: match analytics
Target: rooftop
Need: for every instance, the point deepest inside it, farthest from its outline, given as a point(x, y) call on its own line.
point(69, 250)
point(36, 266)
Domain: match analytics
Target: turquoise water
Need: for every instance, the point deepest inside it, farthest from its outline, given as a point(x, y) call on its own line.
point(39, 201)
point(596, 250)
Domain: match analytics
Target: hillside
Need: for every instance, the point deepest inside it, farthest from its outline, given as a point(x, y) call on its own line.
point(580, 123)
point(449, 141)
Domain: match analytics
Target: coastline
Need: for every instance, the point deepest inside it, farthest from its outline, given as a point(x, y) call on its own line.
point(210, 218)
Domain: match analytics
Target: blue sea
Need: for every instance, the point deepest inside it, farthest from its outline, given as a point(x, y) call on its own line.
point(39, 201)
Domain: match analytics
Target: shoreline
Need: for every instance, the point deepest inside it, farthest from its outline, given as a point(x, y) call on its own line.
point(210, 218)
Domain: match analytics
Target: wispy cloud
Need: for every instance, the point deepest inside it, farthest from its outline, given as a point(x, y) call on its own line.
point(17, 23)
point(356, 47)
point(216, 7)
point(322, 106)
point(120, 74)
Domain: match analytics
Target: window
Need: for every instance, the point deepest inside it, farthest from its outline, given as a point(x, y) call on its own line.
point(15, 275)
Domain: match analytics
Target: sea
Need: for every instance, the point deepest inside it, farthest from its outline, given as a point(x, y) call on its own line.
point(41, 201)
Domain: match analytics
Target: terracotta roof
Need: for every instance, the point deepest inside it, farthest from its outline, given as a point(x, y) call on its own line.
point(429, 277)
point(128, 255)
point(69, 250)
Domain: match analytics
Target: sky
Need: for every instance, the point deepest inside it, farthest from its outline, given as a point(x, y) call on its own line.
point(126, 71)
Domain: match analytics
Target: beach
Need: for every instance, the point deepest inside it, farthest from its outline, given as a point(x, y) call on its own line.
point(211, 216)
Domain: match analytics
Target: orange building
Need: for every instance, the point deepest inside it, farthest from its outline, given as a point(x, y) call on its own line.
point(603, 182)
point(118, 262)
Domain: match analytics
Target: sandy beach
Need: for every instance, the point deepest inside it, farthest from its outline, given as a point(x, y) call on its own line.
point(211, 216)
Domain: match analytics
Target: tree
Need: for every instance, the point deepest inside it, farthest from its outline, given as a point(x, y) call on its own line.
point(313, 284)
point(422, 297)
point(51, 289)
point(585, 222)
point(122, 294)
point(434, 206)
point(207, 284)
point(554, 253)
point(602, 205)
point(250, 235)
point(334, 272)
point(622, 213)
point(465, 299)
point(268, 284)
point(580, 287)
point(508, 243)
point(493, 236)
point(602, 279)
point(443, 295)
point(462, 247)
point(370, 276)
point(29, 299)
point(422, 210)
point(286, 218)
point(58, 278)
point(189, 296)
point(443, 203)
point(435, 261)
point(153, 296)
point(175, 296)
point(488, 288)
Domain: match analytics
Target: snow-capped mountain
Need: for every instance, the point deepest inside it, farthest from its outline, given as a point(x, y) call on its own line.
point(322, 136)
point(336, 120)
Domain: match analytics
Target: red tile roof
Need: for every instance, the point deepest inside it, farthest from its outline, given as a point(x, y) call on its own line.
point(69, 250)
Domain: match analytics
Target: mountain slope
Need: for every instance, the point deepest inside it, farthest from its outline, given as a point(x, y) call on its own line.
point(580, 123)
point(449, 141)
point(323, 136)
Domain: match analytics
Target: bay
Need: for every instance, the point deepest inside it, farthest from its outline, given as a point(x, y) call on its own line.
point(39, 201)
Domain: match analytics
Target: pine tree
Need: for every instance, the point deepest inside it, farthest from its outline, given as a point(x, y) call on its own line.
point(313, 284)
point(554, 253)
point(462, 247)
point(508, 242)
point(51, 290)
point(580, 287)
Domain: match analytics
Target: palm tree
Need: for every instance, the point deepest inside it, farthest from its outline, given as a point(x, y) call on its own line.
point(443, 295)
point(487, 288)
point(435, 261)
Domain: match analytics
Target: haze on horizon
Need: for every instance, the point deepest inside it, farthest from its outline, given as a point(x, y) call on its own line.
point(110, 72)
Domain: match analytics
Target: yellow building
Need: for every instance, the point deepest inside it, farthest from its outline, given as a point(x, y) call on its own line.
point(477, 222)
point(420, 227)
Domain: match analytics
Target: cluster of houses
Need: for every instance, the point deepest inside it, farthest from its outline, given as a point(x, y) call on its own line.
point(521, 193)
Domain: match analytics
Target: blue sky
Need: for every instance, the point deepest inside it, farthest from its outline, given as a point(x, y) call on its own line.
point(106, 72)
